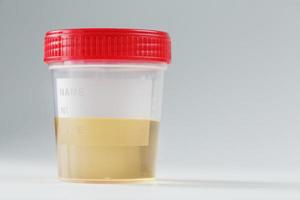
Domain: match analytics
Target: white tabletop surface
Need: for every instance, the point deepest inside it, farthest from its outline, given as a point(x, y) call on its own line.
point(35, 180)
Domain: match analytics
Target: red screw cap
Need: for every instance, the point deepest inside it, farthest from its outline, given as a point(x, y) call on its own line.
point(107, 44)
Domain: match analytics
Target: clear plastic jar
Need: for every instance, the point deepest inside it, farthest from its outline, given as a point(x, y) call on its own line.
point(108, 90)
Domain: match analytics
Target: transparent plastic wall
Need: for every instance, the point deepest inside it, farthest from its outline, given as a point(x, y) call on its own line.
point(107, 120)
point(116, 91)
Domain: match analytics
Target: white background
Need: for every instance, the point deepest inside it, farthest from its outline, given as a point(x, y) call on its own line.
point(231, 102)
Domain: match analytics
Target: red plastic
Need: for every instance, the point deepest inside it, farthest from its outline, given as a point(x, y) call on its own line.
point(107, 44)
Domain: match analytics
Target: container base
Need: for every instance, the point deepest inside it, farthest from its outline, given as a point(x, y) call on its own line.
point(108, 181)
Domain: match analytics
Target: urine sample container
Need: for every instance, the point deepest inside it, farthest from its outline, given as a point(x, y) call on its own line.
point(108, 92)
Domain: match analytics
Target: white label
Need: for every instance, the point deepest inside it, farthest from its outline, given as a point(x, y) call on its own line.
point(127, 98)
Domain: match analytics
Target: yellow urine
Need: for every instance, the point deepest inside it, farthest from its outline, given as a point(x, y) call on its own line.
point(106, 149)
